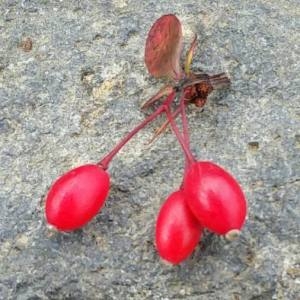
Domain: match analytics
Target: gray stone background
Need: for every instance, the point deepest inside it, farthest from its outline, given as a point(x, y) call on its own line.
point(70, 98)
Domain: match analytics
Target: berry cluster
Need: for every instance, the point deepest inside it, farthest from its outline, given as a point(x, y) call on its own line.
point(209, 197)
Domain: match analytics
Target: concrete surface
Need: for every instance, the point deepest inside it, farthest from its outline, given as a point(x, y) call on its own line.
point(72, 79)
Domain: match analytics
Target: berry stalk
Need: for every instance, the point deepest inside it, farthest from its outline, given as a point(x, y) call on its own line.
point(184, 120)
point(186, 149)
point(185, 126)
point(104, 162)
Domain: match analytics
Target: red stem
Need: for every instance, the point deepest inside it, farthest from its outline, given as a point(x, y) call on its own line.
point(104, 162)
point(189, 158)
point(185, 126)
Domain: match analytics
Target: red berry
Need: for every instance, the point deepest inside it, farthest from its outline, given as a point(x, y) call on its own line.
point(177, 230)
point(76, 197)
point(215, 198)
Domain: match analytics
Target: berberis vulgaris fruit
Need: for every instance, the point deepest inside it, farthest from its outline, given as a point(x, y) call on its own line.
point(215, 198)
point(177, 230)
point(76, 197)
point(209, 197)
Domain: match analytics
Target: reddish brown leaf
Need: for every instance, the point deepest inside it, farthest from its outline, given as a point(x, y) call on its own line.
point(163, 47)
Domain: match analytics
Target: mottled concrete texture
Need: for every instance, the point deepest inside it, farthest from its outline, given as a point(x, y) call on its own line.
point(72, 79)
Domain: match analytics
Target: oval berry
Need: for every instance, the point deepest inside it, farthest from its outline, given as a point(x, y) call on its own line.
point(215, 198)
point(177, 230)
point(76, 197)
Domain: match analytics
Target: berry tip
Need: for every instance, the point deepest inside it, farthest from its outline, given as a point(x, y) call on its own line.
point(232, 235)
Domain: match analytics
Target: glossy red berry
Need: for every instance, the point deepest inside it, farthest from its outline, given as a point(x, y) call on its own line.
point(177, 230)
point(76, 197)
point(215, 198)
